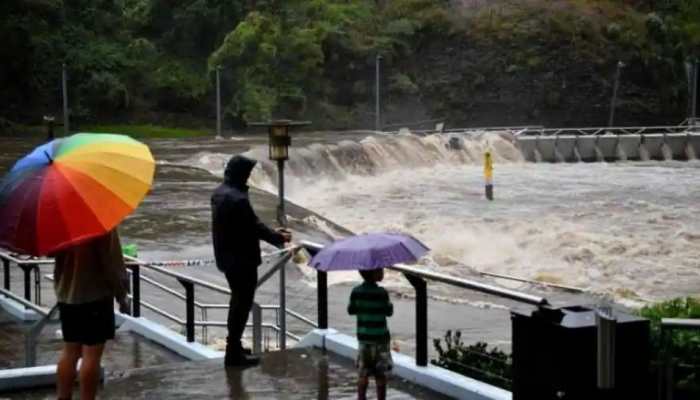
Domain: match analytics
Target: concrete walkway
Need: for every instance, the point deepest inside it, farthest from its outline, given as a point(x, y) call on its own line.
point(294, 374)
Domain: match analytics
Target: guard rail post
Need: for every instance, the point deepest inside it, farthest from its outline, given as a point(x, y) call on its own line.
point(321, 286)
point(136, 291)
point(421, 288)
point(322, 299)
point(37, 283)
point(257, 328)
point(189, 307)
point(282, 313)
point(6, 268)
point(27, 269)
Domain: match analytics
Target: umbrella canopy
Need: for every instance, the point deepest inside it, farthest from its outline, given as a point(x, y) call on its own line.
point(72, 189)
point(369, 251)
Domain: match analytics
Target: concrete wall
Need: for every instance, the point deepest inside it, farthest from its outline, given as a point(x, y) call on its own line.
point(629, 144)
point(586, 148)
point(652, 143)
point(607, 145)
point(527, 146)
point(610, 147)
point(677, 145)
point(546, 149)
point(565, 146)
point(695, 142)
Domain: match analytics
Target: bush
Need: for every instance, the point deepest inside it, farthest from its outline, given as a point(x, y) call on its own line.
point(476, 361)
point(683, 346)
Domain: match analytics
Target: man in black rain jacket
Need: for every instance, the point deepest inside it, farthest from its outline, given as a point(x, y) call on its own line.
point(237, 232)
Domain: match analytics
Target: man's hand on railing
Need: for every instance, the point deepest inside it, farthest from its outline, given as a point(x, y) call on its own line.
point(286, 234)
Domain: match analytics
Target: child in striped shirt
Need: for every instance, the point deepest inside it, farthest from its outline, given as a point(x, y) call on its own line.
point(370, 302)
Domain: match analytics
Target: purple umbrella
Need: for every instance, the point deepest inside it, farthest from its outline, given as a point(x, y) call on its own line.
point(369, 251)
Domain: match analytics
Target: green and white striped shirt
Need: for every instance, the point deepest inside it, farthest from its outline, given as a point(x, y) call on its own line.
point(370, 302)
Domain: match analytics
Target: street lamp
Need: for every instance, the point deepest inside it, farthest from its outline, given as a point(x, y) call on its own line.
point(377, 100)
point(278, 131)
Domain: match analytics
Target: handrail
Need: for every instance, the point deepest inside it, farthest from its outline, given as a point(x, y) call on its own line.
point(38, 309)
point(24, 261)
point(680, 323)
point(417, 278)
point(178, 276)
point(459, 282)
point(472, 285)
point(659, 129)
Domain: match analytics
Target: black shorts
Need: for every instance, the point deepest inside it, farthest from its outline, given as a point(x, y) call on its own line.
point(88, 323)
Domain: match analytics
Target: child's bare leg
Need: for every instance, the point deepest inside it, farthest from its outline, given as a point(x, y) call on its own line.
point(362, 383)
point(381, 386)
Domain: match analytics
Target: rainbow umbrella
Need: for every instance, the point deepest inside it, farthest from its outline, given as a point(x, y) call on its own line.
point(72, 189)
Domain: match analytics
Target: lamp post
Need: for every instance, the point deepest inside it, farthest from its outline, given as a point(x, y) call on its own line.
point(278, 131)
point(694, 100)
point(64, 87)
point(613, 103)
point(218, 101)
point(377, 99)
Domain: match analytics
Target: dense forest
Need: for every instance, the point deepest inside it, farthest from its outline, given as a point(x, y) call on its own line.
point(470, 62)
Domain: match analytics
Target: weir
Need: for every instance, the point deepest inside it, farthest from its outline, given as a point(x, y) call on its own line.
point(661, 143)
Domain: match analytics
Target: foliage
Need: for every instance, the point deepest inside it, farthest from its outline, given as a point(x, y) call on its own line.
point(683, 346)
point(289, 58)
point(145, 131)
point(477, 360)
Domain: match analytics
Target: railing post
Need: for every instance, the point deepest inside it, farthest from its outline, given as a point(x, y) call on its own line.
point(606, 334)
point(257, 328)
point(136, 291)
point(27, 282)
point(322, 301)
point(421, 288)
point(283, 307)
point(37, 284)
point(6, 268)
point(189, 300)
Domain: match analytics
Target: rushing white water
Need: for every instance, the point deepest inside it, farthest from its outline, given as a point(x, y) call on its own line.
point(629, 230)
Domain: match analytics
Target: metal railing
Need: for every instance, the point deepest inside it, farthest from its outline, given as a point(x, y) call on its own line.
point(27, 265)
point(603, 130)
point(418, 279)
point(189, 283)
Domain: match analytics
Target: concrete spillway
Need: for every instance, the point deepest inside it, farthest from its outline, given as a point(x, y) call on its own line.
point(609, 147)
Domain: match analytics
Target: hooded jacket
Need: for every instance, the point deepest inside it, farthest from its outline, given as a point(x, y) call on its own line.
point(236, 230)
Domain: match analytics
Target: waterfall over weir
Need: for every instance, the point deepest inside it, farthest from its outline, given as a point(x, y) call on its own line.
point(372, 155)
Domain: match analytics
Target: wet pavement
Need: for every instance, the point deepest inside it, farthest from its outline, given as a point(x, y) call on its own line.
point(126, 351)
point(294, 374)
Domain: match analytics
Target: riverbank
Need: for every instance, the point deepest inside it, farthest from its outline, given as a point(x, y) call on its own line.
point(137, 131)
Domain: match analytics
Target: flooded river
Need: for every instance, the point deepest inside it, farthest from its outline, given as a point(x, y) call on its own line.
point(623, 231)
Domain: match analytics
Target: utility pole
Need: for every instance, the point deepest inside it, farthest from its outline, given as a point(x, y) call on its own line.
point(613, 104)
point(694, 104)
point(66, 117)
point(377, 102)
point(218, 101)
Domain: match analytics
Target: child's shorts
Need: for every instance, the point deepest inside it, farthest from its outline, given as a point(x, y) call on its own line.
point(374, 359)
